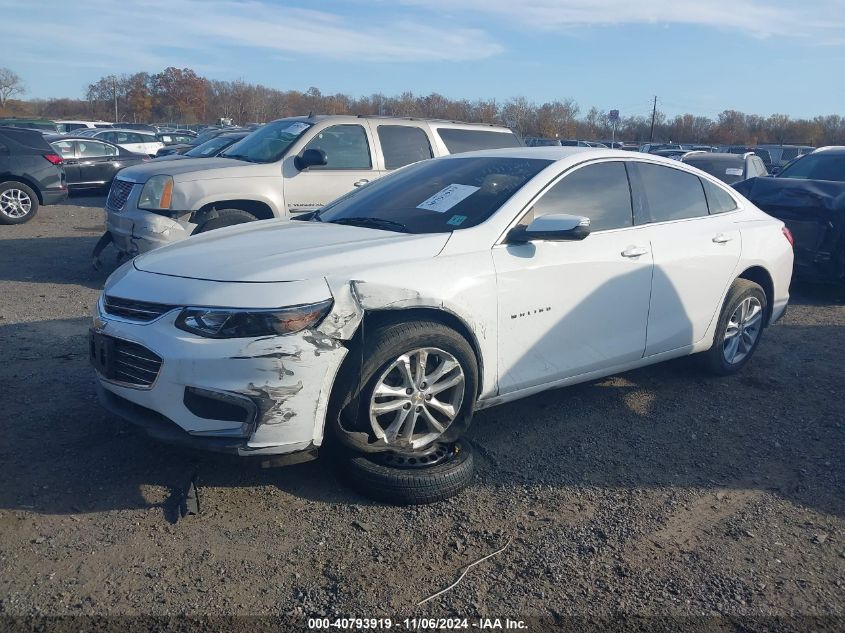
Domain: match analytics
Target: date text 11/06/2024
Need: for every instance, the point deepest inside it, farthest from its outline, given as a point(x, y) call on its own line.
point(416, 624)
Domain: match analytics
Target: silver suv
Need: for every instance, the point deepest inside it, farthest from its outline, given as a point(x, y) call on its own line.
point(286, 167)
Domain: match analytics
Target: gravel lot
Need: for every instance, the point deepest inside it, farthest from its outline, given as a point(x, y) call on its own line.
point(661, 495)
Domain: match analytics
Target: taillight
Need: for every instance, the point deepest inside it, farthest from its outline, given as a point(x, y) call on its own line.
point(54, 158)
point(788, 235)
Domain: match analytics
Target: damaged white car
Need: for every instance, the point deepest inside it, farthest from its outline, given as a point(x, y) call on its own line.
point(387, 318)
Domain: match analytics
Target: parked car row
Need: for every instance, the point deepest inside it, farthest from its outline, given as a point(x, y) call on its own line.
point(408, 280)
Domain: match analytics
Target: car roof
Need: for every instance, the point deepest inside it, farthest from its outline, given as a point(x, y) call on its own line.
point(348, 118)
point(716, 157)
point(52, 138)
point(128, 129)
point(831, 149)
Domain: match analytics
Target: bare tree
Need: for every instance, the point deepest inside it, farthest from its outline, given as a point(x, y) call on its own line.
point(10, 84)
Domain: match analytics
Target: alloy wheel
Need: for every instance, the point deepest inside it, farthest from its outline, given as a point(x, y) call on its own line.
point(416, 398)
point(15, 203)
point(743, 330)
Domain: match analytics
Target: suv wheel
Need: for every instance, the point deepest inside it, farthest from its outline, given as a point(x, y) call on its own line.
point(18, 203)
point(225, 217)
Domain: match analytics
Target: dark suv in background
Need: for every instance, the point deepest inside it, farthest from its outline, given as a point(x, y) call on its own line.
point(31, 174)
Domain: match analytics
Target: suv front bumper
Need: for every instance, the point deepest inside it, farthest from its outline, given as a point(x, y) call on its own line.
point(134, 231)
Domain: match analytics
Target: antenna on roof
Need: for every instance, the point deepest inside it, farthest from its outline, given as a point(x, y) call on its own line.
point(310, 113)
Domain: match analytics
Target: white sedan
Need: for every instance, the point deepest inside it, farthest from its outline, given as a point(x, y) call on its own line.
point(449, 286)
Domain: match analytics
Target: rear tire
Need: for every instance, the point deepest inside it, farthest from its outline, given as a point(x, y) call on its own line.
point(744, 315)
point(225, 217)
point(18, 203)
point(390, 478)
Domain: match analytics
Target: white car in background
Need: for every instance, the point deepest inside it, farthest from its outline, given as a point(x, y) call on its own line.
point(135, 141)
point(66, 126)
point(455, 284)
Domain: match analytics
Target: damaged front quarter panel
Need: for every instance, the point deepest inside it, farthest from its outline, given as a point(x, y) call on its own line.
point(292, 398)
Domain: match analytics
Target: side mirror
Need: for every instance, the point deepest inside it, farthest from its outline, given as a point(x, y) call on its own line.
point(559, 227)
point(774, 170)
point(310, 158)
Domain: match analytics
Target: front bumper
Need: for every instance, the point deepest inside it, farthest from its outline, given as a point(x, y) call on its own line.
point(287, 378)
point(135, 231)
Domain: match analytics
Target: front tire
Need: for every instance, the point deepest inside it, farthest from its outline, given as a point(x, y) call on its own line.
point(224, 218)
point(18, 203)
point(739, 329)
point(416, 386)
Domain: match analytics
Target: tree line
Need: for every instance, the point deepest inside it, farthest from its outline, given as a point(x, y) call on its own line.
point(181, 96)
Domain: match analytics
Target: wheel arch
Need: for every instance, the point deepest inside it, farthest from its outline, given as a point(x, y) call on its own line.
point(6, 178)
point(761, 276)
point(381, 317)
point(259, 209)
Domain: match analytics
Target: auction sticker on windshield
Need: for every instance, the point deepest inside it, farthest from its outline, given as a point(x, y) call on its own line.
point(296, 128)
point(733, 171)
point(447, 198)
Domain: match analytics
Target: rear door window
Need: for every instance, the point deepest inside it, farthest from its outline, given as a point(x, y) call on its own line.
point(718, 200)
point(94, 149)
point(346, 147)
point(670, 194)
point(403, 145)
point(64, 148)
point(459, 140)
point(599, 192)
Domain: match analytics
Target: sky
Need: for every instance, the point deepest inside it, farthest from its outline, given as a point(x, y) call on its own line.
point(696, 56)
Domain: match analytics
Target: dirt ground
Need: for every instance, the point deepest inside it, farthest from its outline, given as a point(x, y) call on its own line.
point(657, 496)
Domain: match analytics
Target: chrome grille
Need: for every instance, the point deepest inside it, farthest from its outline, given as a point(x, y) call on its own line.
point(119, 193)
point(135, 310)
point(134, 364)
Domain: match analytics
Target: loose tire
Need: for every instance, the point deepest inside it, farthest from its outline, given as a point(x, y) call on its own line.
point(18, 203)
point(380, 477)
point(739, 329)
point(225, 217)
point(416, 386)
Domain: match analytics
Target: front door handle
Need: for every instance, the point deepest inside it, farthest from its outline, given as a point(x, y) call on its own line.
point(722, 238)
point(360, 183)
point(634, 251)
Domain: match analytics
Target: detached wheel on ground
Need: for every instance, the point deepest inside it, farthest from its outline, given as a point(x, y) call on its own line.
point(739, 329)
point(410, 479)
point(18, 203)
point(225, 217)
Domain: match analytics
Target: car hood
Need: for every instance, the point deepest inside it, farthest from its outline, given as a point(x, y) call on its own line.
point(195, 169)
point(286, 250)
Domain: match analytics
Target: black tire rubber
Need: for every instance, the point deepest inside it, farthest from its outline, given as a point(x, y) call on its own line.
point(713, 360)
point(409, 486)
point(225, 217)
point(14, 184)
point(381, 347)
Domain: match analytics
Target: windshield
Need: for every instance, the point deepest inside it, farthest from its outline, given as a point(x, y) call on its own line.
point(211, 147)
point(435, 196)
point(821, 166)
point(269, 143)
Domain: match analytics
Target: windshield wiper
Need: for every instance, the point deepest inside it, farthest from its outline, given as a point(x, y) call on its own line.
point(371, 223)
point(238, 157)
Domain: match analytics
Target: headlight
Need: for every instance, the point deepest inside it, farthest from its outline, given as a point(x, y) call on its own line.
point(156, 194)
point(229, 323)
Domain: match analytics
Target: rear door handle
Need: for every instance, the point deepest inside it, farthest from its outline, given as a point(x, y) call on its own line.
point(360, 183)
point(634, 251)
point(722, 238)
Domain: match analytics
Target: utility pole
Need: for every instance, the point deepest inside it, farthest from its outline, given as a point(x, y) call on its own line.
point(114, 92)
point(653, 115)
